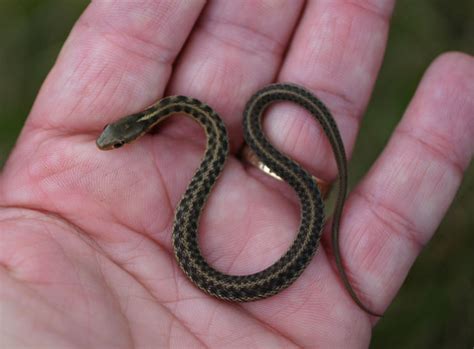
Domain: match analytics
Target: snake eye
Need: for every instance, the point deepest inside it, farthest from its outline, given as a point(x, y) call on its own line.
point(118, 145)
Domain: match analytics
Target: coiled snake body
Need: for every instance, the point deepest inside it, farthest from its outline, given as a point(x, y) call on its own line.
point(185, 240)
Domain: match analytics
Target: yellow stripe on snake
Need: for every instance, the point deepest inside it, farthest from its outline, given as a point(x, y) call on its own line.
point(288, 267)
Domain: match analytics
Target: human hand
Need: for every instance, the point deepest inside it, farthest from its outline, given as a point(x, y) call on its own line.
point(86, 248)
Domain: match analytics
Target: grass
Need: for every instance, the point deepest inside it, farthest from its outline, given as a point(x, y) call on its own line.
point(435, 307)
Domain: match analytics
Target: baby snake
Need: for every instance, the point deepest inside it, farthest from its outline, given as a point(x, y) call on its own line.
point(185, 240)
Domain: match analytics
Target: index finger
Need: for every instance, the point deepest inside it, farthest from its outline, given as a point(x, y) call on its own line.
point(117, 59)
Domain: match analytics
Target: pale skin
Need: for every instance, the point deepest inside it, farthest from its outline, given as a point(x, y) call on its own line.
point(85, 246)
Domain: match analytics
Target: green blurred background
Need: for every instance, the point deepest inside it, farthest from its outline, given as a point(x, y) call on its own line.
point(435, 307)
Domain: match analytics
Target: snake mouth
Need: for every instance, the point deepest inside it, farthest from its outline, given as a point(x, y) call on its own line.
point(108, 139)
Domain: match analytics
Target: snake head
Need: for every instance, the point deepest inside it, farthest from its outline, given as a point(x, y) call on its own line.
point(121, 132)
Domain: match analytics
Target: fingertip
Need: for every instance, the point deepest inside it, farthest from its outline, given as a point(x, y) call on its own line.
point(444, 105)
point(453, 59)
point(452, 70)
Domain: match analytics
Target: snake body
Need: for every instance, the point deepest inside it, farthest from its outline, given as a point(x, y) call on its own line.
point(281, 274)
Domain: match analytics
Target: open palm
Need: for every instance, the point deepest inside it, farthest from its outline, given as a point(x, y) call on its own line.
point(85, 245)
